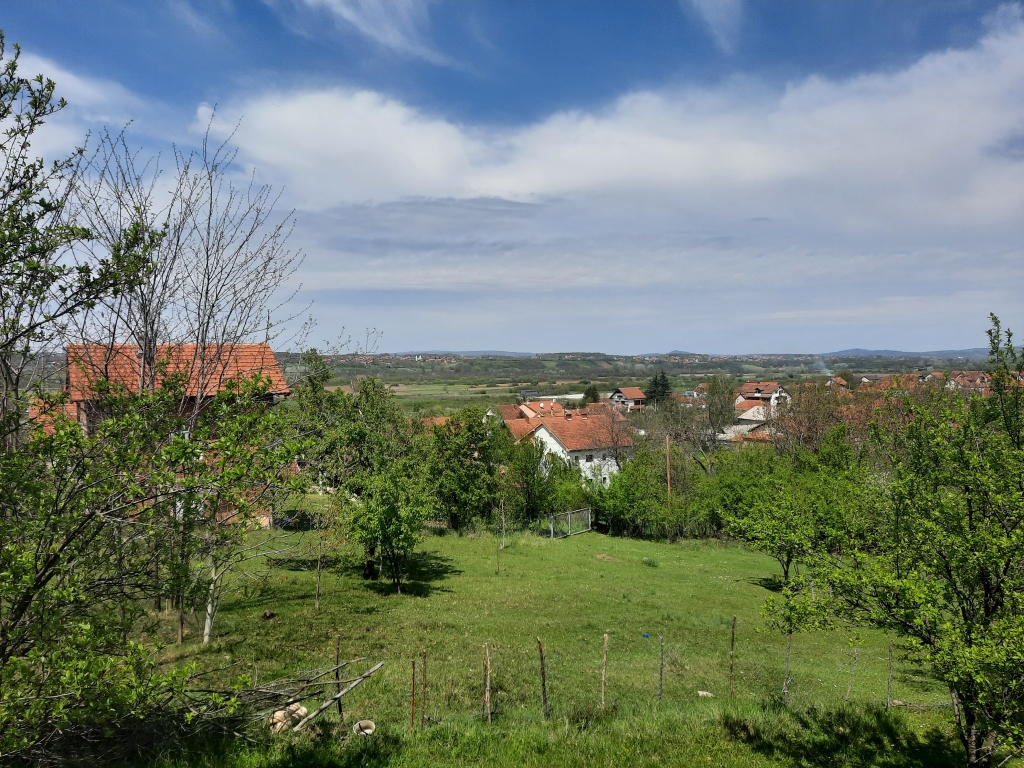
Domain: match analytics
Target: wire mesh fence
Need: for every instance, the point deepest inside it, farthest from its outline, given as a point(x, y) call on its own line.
point(563, 524)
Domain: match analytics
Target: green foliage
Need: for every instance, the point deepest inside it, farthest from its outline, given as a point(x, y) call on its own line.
point(658, 389)
point(389, 514)
point(940, 561)
point(465, 455)
point(93, 524)
point(591, 395)
point(524, 482)
point(633, 504)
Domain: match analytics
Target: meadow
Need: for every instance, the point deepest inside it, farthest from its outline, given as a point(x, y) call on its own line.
point(463, 592)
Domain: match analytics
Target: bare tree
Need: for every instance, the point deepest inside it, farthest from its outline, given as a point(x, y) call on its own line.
point(218, 277)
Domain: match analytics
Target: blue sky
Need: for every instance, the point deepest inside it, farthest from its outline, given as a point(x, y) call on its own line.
point(711, 175)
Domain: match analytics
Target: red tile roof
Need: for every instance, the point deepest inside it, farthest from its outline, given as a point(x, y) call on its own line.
point(633, 393)
point(207, 374)
point(594, 432)
point(520, 428)
point(510, 412)
point(758, 388)
point(746, 405)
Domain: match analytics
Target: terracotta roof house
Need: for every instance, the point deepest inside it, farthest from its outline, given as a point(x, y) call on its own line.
point(768, 391)
point(836, 381)
point(204, 374)
point(970, 382)
point(597, 435)
point(597, 442)
point(630, 397)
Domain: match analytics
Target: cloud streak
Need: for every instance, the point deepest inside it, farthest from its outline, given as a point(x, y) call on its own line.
point(398, 25)
point(723, 18)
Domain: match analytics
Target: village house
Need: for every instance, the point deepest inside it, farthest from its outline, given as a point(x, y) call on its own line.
point(631, 398)
point(597, 436)
point(970, 382)
point(769, 392)
point(206, 374)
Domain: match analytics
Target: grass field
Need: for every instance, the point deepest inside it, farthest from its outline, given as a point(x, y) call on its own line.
point(569, 592)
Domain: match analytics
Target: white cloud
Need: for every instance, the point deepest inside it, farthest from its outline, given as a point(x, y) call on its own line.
point(399, 25)
point(880, 154)
point(723, 17)
point(871, 205)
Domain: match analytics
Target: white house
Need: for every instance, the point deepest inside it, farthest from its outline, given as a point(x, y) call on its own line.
point(770, 392)
point(597, 442)
point(630, 397)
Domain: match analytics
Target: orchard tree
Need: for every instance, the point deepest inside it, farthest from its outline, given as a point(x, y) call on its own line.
point(942, 562)
point(389, 516)
point(465, 454)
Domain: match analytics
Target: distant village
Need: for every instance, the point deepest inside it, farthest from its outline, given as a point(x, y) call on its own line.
point(599, 435)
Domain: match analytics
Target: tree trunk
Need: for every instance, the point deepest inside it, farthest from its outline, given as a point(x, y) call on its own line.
point(978, 744)
point(319, 570)
point(211, 605)
point(370, 563)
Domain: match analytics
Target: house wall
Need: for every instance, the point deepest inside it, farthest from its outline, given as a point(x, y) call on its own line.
point(601, 467)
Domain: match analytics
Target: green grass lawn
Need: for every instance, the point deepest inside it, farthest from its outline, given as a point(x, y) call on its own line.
point(570, 592)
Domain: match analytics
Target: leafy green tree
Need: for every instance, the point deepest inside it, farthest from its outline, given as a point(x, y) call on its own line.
point(658, 389)
point(941, 563)
point(44, 280)
point(84, 520)
point(524, 481)
point(389, 516)
point(465, 454)
point(633, 504)
point(591, 395)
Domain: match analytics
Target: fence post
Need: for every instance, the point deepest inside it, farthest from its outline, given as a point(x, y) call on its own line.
point(423, 691)
point(543, 681)
point(551, 521)
point(337, 676)
point(888, 693)
point(412, 700)
point(604, 668)
point(732, 655)
point(487, 686)
point(661, 669)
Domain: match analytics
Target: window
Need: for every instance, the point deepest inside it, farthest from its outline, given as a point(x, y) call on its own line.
point(590, 457)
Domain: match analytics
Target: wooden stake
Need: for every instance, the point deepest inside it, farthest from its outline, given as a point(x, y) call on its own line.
point(483, 685)
point(337, 676)
point(487, 681)
point(668, 464)
point(853, 671)
point(412, 700)
point(423, 691)
point(888, 694)
point(785, 681)
point(661, 670)
point(604, 668)
point(732, 655)
point(543, 681)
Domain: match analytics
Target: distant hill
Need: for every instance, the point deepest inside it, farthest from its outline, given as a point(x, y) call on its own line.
point(978, 353)
point(477, 353)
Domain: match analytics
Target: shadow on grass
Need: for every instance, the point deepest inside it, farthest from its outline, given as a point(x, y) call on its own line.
point(376, 752)
point(422, 570)
point(771, 583)
point(305, 563)
point(843, 736)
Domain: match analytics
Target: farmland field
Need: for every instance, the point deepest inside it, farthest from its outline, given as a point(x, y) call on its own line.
point(569, 592)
